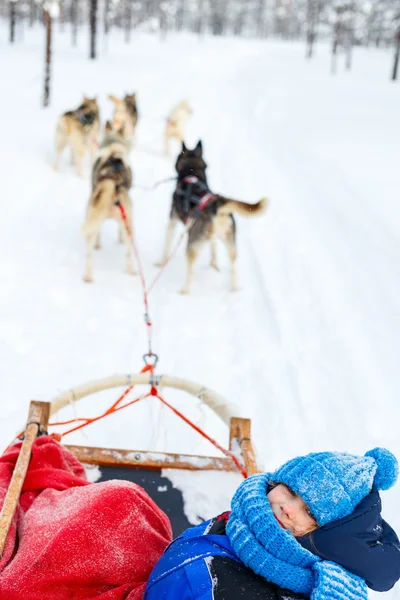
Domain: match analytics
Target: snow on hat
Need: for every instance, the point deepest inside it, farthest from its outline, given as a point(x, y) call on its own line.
point(333, 483)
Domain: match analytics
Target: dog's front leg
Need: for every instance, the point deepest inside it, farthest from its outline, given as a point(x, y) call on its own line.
point(192, 253)
point(90, 244)
point(79, 153)
point(230, 243)
point(61, 142)
point(168, 242)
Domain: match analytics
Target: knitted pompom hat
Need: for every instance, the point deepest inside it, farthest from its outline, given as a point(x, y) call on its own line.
point(333, 483)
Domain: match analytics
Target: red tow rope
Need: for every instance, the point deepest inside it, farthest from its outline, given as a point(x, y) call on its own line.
point(149, 367)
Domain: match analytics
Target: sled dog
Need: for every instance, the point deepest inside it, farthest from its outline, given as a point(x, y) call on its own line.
point(125, 115)
point(78, 129)
point(207, 216)
point(175, 125)
point(111, 181)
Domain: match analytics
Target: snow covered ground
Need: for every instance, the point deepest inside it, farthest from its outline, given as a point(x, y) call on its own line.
point(309, 347)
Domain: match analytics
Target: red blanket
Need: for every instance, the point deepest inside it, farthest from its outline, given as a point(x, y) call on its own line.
point(75, 540)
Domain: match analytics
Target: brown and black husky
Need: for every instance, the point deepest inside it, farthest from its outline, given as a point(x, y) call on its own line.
point(207, 216)
point(78, 129)
point(111, 181)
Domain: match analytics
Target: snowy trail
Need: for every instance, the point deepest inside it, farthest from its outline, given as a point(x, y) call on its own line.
point(308, 348)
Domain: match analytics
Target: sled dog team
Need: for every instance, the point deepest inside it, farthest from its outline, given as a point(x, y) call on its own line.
point(207, 216)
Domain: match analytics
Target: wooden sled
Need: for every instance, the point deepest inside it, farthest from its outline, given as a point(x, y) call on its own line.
point(141, 467)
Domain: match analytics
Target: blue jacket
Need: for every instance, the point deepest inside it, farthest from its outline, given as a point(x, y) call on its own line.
point(363, 543)
point(201, 565)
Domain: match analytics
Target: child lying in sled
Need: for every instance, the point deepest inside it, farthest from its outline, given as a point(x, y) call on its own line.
point(311, 529)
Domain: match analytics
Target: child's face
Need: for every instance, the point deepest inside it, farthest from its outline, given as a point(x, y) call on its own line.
point(290, 511)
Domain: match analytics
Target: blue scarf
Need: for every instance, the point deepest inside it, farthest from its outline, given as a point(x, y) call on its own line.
point(275, 554)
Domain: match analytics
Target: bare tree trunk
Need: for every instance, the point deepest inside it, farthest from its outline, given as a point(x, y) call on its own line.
point(200, 18)
point(239, 22)
point(335, 43)
point(279, 17)
point(93, 28)
point(396, 57)
point(106, 16)
point(74, 21)
point(260, 17)
point(217, 24)
point(128, 20)
point(48, 23)
point(312, 17)
point(350, 36)
point(349, 47)
point(32, 12)
point(162, 19)
point(180, 16)
point(61, 18)
point(13, 16)
point(379, 31)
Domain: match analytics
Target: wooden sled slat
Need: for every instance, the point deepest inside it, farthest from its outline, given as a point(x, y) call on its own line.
point(38, 418)
point(239, 439)
point(150, 460)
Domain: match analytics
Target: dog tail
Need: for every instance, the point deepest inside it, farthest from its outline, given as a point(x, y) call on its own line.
point(243, 208)
point(100, 203)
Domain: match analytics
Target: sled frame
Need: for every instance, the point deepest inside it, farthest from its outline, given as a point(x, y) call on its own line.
point(37, 424)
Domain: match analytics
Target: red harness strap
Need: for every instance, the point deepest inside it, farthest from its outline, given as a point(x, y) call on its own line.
point(205, 200)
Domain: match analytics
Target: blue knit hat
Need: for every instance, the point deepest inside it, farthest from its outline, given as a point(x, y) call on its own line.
point(332, 484)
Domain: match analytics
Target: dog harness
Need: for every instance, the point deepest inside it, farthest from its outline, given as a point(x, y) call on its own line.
point(194, 195)
point(112, 166)
point(86, 118)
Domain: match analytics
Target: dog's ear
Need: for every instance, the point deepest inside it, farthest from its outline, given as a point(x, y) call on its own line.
point(114, 99)
point(198, 151)
point(184, 149)
point(108, 127)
